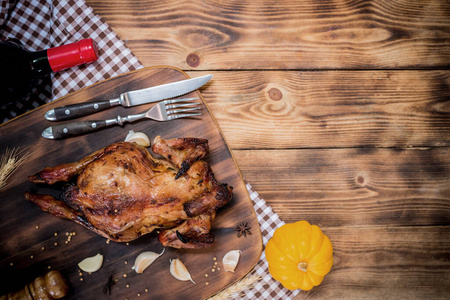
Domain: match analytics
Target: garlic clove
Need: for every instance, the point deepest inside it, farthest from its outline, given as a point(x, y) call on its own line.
point(145, 259)
point(179, 270)
point(130, 134)
point(91, 264)
point(139, 138)
point(231, 259)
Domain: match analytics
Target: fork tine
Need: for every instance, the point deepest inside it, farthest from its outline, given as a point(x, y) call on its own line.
point(172, 117)
point(177, 111)
point(181, 105)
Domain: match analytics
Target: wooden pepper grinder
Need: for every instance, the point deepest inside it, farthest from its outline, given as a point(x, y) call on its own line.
point(49, 287)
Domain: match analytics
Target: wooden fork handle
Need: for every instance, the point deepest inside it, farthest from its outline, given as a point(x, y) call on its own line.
point(61, 131)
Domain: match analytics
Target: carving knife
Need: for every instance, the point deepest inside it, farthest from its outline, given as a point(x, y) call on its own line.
point(127, 99)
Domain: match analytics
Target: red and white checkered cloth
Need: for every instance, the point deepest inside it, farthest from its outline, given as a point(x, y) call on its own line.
point(40, 24)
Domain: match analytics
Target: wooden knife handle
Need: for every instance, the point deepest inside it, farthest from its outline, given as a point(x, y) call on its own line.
point(61, 131)
point(76, 110)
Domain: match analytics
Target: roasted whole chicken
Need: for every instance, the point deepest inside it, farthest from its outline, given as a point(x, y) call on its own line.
point(123, 192)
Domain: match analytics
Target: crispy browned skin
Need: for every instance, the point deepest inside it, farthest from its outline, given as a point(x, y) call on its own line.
point(181, 152)
point(123, 192)
point(192, 233)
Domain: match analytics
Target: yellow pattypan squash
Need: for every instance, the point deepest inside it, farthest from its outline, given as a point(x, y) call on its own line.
point(299, 255)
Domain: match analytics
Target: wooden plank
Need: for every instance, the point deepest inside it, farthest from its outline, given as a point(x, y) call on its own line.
point(386, 263)
point(352, 187)
point(330, 34)
point(25, 228)
point(326, 109)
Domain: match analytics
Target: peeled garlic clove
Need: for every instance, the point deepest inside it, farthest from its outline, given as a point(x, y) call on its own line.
point(91, 264)
point(129, 135)
point(145, 259)
point(179, 270)
point(231, 259)
point(139, 138)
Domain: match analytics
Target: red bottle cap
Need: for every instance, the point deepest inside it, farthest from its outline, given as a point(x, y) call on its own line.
point(71, 55)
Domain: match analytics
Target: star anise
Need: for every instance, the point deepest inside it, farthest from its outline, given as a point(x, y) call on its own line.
point(108, 285)
point(243, 229)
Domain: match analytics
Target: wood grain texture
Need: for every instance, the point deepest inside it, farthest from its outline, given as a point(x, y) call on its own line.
point(336, 111)
point(386, 263)
point(353, 187)
point(331, 109)
point(331, 34)
point(28, 235)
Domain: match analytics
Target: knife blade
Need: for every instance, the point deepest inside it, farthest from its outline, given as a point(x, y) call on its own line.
point(127, 99)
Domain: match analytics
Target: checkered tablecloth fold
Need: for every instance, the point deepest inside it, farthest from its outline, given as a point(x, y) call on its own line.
point(41, 24)
point(269, 221)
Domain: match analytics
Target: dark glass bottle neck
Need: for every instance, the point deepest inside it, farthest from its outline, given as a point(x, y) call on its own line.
point(39, 62)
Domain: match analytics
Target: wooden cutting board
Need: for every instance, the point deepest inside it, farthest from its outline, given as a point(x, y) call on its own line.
point(32, 242)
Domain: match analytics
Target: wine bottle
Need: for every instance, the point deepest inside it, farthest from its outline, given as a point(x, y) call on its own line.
point(20, 69)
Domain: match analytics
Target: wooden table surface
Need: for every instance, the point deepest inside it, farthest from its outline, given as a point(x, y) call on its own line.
point(337, 112)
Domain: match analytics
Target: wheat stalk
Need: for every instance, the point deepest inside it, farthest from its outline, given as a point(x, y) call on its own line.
point(241, 285)
point(9, 162)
